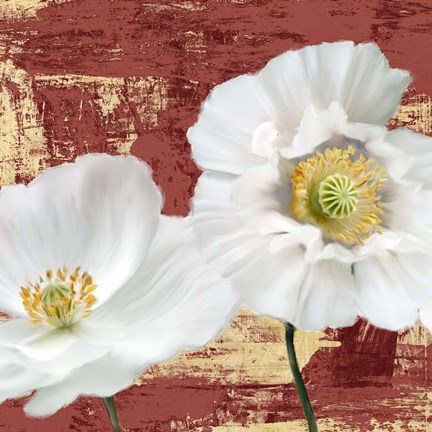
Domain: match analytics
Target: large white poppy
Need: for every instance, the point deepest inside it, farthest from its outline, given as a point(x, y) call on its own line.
point(307, 203)
point(98, 284)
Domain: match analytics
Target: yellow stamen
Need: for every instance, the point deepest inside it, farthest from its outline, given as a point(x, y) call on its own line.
point(61, 299)
point(339, 193)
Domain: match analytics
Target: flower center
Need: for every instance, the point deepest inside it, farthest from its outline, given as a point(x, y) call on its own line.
point(339, 193)
point(60, 299)
point(335, 197)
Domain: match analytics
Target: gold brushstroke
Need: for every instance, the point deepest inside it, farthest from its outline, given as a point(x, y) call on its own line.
point(417, 114)
point(146, 97)
point(22, 142)
point(195, 42)
point(251, 350)
point(187, 5)
point(22, 9)
point(108, 95)
point(324, 425)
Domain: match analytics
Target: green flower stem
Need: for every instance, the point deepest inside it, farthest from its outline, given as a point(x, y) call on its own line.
point(301, 389)
point(112, 412)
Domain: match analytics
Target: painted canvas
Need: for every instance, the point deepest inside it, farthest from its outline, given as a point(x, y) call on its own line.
point(130, 77)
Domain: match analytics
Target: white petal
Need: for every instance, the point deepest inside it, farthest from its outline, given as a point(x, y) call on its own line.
point(282, 285)
point(411, 152)
point(18, 381)
point(222, 138)
point(47, 349)
point(357, 76)
point(269, 282)
point(325, 297)
point(102, 378)
point(175, 301)
point(426, 315)
point(262, 198)
point(50, 345)
point(407, 200)
point(221, 234)
point(316, 127)
point(100, 213)
point(390, 287)
point(101, 333)
point(39, 343)
point(421, 225)
point(265, 139)
point(14, 332)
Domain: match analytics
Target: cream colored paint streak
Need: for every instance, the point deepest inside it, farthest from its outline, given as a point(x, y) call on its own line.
point(251, 350)
point(22, 142)
point(417, 113)
point(23, 9)
point(190, 6)
point(324, 425)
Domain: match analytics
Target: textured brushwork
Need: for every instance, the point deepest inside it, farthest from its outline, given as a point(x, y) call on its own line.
point(128, 76)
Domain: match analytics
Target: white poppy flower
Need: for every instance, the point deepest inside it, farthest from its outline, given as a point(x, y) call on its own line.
point(98, 284)
point(307, 203)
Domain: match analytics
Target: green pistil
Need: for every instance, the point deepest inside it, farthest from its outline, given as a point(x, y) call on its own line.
point(58, 296)
point(335, 197)
point(53, 293)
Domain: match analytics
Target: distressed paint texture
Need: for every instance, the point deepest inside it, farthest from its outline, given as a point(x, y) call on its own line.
point(129, 76)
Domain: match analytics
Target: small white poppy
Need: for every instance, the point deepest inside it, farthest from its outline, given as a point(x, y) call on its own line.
point(307, 203)
point(98, 284)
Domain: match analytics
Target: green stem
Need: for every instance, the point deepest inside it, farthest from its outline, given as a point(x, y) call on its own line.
point(112, 412)
point(301, 389)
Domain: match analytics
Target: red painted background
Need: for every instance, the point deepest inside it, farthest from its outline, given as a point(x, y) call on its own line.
point(189, 46)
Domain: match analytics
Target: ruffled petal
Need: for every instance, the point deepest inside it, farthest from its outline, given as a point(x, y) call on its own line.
point(325, 297)
point(222, 138)
point(99, 213)
point(406, 200)
point(390, 287)
point(175, 301)
point(290, 86)
point(262, 198)
point(223, 238)
point(316, 127)
point(411, 154)
point(421, 225)
point(281, 284)
point(357, 76)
